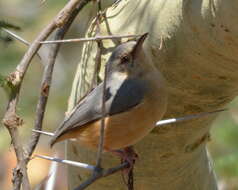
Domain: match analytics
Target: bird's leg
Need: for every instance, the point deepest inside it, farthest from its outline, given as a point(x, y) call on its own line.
point(127, 155)
point(130, 156)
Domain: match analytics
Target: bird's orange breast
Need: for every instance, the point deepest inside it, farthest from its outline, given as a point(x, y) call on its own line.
point(122, 129)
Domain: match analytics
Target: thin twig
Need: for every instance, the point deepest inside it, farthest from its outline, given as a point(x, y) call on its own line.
point(68, 162)
point(96, 38)
point(98, 63)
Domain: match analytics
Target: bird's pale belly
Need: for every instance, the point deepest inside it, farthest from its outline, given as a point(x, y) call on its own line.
point(121, 130)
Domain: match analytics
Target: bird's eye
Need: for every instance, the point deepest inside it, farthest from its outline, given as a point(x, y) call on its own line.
point(125, 59)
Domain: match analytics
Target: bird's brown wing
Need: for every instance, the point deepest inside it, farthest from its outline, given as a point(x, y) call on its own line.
point(120, 97)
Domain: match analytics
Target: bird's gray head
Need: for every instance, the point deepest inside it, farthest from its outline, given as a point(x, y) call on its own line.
point(125, 58)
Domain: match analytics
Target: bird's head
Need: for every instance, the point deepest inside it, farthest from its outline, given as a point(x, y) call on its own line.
point(125, 59)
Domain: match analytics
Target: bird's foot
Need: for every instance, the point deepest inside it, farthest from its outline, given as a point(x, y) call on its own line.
point(129, 156)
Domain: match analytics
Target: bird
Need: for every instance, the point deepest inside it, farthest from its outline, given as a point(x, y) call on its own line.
point(135, 99)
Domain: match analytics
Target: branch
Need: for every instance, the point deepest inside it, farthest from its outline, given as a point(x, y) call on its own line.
point(12, 121)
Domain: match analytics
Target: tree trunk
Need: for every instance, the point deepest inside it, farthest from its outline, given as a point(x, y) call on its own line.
point(199, 61)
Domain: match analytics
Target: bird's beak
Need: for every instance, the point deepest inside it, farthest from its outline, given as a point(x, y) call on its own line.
point(138, 47)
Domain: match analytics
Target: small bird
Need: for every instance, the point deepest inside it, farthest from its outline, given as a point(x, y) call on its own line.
point(136, 98)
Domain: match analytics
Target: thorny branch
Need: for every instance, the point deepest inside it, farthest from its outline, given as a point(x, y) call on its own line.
point(15, 79)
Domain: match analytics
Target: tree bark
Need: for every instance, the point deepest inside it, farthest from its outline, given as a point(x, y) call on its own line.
point(199, 61)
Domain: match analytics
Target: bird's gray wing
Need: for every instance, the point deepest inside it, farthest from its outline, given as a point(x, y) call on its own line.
point(120, 97)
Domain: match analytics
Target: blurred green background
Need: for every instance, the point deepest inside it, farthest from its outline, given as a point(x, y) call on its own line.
point(31, 16)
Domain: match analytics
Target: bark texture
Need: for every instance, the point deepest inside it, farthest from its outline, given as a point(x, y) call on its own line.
point(199, 61)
